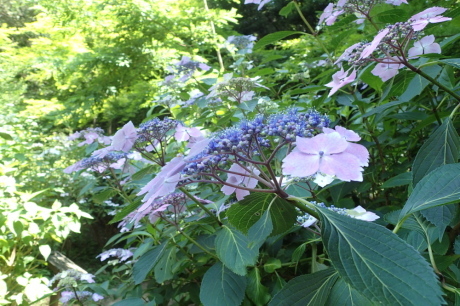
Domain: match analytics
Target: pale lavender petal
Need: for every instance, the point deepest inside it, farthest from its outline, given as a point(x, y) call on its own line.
point(344, 166)
point(349, 135)
point(298, 164)
point(360, 152)
point(374, 44)
point(124, 139)
point(240, 194)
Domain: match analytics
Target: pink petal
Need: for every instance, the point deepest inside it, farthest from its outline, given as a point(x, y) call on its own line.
point(344, 166)
point(298, 164)
point(360, 152)
point(374, 44)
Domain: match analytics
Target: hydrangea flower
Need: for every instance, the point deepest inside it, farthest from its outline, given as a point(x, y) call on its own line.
point(124, 139)
point(374, 44)
point(122, 254)
point(340, 79)
point(240, 180)
point(387, 70)
point(261, 3)
point(424, 46)
point(165, 181)
point(325, 153)
point(421, 20)
point(353, 148)
point(184, 133)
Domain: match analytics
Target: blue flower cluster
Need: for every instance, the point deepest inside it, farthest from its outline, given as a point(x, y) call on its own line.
point(155, 130)
point(253, 135)
point(94, 161)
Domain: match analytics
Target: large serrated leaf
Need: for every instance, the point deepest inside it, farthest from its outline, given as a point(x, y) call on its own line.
point(220, 286)
point(234, 250)
point(260, 230)
point(311, 289)
point(344, 295)
point(440, 216)
point(441, 186)
point(147, 262)
point(274, 37)
point(377, 263)
point(398, 180)
point(247, 212)
point(441, 148)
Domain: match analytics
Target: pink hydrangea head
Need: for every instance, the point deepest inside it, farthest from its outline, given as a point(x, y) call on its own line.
point(165, 182)
point(241, 177)
point(124, 139)
point(374, 44)
point(184, 133)
point(387, 69)
point(340, 79)
point(425, 45)
point(421, 20)
point(325, 153)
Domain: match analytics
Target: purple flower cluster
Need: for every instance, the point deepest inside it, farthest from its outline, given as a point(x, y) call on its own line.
point(389, 48)
point(253, 135)
point(114, 160)
point(243, 43)
point(121, 254)
point(185, 68)
point(90, 135)
point(69, 297)
point(155, 130)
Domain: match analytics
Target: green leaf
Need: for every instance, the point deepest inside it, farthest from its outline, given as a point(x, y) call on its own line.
point(260, 230)
point(272, 264)
point(344, 295)
point(147, 262)
point(311, 289)
point(377, 263)
point(418, 83)
point(285, 11)
point(454, 62)
point(220, 286)
point(440, 216)
point(274, 37)
point(393, 16)
point(104, 195)
point(398, 180)
point(441, 148)
point(247, 212)
point(6, 136)
point(257, 292)
point(126, 211)
point(163, 268)
point(233, 248)
point(373, 81)
point(457, 245)
point(441, 186)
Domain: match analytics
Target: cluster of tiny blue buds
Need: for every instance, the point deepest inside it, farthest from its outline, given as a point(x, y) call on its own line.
point(155, 129)
point(252, 135)
point(290, 124)
point(94, 161)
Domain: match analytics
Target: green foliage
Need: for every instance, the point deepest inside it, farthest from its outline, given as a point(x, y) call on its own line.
point(68, 65)
point(392, 269)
